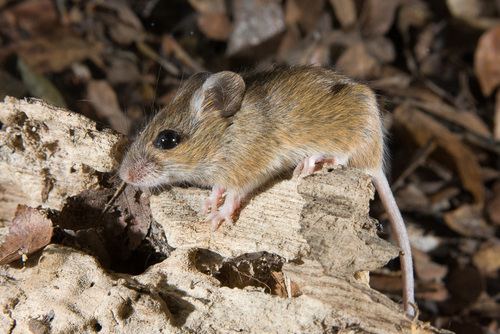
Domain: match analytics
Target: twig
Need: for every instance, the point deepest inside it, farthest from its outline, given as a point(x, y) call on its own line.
point(182, 55)
point(148, 52)
point(117, 193)
point(418, 159)
point(251, 278)
point(485, 143)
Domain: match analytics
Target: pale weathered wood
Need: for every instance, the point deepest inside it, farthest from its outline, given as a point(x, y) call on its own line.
point(48, 154)
point(321, 222)
point(324, 215)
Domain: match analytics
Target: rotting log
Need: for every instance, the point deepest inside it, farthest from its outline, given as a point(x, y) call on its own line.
point(319, 225)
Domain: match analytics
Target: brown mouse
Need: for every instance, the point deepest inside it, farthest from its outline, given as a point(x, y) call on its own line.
point(235, 132)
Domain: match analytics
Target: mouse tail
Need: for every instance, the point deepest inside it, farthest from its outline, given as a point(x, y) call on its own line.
point(401, 234)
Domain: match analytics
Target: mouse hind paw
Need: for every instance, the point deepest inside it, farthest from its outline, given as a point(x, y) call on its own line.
point(313, 163)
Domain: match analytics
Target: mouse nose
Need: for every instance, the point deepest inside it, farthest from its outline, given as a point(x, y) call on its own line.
point(135, 173)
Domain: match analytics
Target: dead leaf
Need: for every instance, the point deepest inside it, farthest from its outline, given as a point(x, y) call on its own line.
point(104, 99)
point(381, 48)
point(17, 21)
point(496, 131)
point(312, 50)
point(345, 12)
point(412, 198)
point(123, 24)
point(122, 69)
point(304, 13)
point(255, 22)
point(468, 220)
point(432, 291)
point(280, 289)
point(424, 128)
point(487, 258)
point(212, 18)
point(54, 53)
point(487, 60)
point(357, 62)
point(474, 12)
point(29, 231)
point(215, 26)
point(208, 6)
point(377, 16)
point(493, 207)
point(10, 86)
point(465, 119)
point(426, 269)
point(413, 14)
point(40, 86)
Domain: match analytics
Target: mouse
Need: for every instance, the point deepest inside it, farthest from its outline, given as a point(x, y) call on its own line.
point(234, 132)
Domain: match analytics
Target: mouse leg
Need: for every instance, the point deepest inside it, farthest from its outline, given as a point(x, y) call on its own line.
point(232, 203)
point(315, 162)
point(212, 202)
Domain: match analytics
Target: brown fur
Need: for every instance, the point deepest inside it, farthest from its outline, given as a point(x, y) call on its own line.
point(286, 114)
point(239, 132)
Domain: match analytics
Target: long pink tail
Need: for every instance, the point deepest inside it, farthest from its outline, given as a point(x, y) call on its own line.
point(399, 229)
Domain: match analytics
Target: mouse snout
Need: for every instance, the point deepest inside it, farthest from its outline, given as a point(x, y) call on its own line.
point(136, 172)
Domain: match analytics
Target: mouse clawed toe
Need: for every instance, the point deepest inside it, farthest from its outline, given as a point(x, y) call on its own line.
point(211, 203)
point(226, 211)
point(216, 219)
point(311, 164)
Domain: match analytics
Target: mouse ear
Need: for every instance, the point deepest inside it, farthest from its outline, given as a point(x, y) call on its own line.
point(221, 91)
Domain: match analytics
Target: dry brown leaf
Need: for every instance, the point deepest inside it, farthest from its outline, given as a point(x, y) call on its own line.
point(208, 6)
point(496, 131)
point(17, 21)
point(122, 70)
point(123, 11)
point(412, 198)
point(487, 258)
point(10, 86)
point(103, 98)
point(468, 220)
point(255, 22)
point(123, 24)
point(474, 12)
point(466, 119)
point(29, 231)
point(54, 53)
point(487, 60)
point(381, 48)
point(216, 26)
point(377, 16)
point(432, 291)
point(426, 269)
point(357, 62)
point(424, 128)
point(493, 207)
point(305, 13)
point(280, 288)
point(345, 11)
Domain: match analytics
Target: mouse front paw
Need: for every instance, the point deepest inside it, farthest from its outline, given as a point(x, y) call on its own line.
point(216, 219)
point(225, 212)
point(211, 203)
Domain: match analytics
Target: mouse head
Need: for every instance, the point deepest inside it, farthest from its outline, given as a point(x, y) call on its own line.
point(180, 142)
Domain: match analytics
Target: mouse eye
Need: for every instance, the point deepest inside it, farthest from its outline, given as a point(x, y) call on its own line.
point(167, 139)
